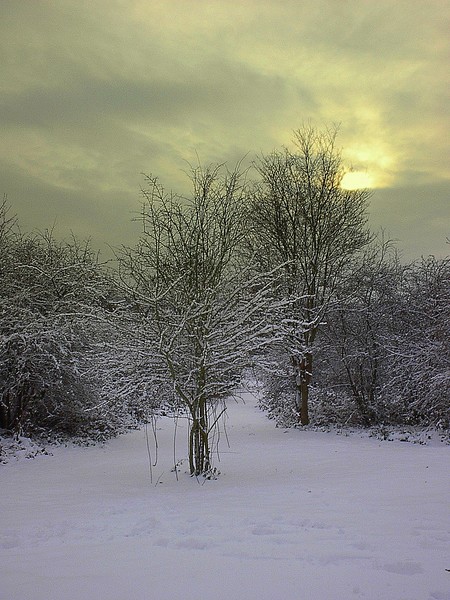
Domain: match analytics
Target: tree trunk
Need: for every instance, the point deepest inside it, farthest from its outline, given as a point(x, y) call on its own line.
point(303, 379)
point(199, 451)
point(4, 413)
point(12, 409)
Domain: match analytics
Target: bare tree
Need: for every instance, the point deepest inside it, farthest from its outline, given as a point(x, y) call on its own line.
point(203, 312)
point(303, 218)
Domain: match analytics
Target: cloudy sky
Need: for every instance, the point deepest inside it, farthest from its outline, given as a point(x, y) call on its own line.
point(96, 92)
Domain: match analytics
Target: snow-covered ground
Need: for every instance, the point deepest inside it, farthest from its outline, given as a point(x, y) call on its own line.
point(294, 515)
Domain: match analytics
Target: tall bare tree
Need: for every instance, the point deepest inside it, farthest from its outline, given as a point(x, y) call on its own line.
point(303, 218)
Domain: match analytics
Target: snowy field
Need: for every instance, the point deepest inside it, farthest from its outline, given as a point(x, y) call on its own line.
point(294, 515)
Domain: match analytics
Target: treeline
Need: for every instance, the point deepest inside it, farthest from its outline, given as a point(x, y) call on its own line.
point(383, 352)
point(276, 278)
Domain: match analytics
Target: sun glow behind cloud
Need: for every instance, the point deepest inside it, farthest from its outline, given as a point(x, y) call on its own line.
point(355, 180)
point(372, 164)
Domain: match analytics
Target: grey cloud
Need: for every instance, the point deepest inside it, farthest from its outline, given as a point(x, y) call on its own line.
point(419, 217)
point(218, 88)
point(106, 219)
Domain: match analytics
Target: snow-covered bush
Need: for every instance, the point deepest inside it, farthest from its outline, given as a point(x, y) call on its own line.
point(386, 343)
point(52, 296)
point(418, 385)
point(353, 357)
